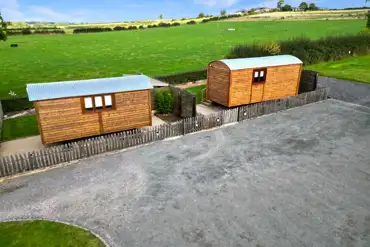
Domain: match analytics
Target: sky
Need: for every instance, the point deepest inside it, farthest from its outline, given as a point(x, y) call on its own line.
point(125, 10)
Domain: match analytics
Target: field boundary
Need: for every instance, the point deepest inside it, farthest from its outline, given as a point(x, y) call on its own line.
point(52, 156)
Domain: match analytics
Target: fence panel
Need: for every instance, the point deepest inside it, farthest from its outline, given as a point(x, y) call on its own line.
point(230, 116)
point(18, 163)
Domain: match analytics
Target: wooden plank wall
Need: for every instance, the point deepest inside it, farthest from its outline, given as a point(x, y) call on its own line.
point(63, 119)
point(280, 82)
point(48, 157)
point(218, 81)
point(132, 111)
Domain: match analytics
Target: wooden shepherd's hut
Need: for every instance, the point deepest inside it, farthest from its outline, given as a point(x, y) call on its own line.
point(76, 109)
point(234, 82)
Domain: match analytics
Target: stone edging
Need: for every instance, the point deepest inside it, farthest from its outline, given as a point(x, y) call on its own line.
point(19, 219)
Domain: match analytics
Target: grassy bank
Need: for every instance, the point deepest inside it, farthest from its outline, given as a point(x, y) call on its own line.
point(151, 51)
point(353, 68)
point(45, 234)
point(19, 127)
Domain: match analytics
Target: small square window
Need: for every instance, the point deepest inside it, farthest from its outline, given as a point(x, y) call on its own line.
point(88, 104)
point(108, 101)
point(98, 102)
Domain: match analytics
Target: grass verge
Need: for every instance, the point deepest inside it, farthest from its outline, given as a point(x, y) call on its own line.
point(197, 91)
point(353, 69)
point(19, 127)
point(42, 233)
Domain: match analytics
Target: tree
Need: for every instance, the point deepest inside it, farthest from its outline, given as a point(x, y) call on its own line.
point(287, 7)
point(312, 6)
point(201, 15)
point(3, 26)
point(223, 12)
point(161, 16)
point(303, 6)
point(280, 4)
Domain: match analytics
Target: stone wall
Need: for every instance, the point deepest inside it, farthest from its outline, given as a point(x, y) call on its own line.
point(188, 104)
point(308, 81)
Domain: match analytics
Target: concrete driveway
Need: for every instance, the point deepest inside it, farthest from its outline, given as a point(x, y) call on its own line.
point(296, 178)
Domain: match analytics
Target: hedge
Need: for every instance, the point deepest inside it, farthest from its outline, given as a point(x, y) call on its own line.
point(309, 51)
point(178, 78)
point(217, 18)
point(16, 104)
point(92, 30)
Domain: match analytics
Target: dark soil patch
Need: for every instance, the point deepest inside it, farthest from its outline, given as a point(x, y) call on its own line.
point(168, 118)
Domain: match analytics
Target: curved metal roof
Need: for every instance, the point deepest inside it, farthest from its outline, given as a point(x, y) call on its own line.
point(64, 89)
point(260, 62)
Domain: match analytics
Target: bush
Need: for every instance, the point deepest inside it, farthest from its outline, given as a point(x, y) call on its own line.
point(307, 50)
point(159, 102)
point(16, 104)
point(167, 102)
point(92, 30)
point(368, 20)
point(191, 22)
point(119, 28)
point(176, 24)
point(26, 31)
point(132, 28)
point(178, 78)
point(164, 24)
point(141, 27)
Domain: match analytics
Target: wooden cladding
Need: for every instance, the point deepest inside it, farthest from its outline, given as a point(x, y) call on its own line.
point(67, 119)
point(246, 86)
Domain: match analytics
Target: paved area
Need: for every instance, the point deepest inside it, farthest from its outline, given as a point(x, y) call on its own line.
point(27, 144)
point(209, 109)
point(355, 92)
point(157, 121)
point(296, 178)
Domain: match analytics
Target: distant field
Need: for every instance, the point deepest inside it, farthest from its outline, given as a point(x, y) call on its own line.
point(353, 68)
point(152, 51)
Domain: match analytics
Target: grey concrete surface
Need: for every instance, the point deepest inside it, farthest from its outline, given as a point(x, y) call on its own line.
point(295, 178)
point(355, 92)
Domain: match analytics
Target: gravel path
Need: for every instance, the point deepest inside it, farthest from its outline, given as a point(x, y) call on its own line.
point(296, 178)
point(355, 92)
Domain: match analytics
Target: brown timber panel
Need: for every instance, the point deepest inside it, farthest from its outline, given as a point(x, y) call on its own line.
point(62, 119)
point(281, 82)
point(257, 92)
point(240, 87)
point(218, 80)
point(132, 111)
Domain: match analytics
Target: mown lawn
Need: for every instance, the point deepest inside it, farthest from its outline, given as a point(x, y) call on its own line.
point(353, 68)
point(198, 91)
point(19, 127)
point(45, 234)
point(151, 51)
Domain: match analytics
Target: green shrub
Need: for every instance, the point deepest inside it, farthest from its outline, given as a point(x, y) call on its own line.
point(26, 31)
point(309, 51)
point(16, 104)
point(176, 24)
point(167, 102)
point(191, 22)
point(141, 27)
point(159, 102)
point(178, 78)
point(368, 20)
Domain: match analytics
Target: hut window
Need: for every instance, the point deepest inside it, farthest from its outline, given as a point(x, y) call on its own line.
point(88, 104)
point(98, 102)
point(108, 101)
point(259, 75)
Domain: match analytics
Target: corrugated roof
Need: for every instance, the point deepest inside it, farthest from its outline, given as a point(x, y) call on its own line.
point(260, 62)
point(63, 89)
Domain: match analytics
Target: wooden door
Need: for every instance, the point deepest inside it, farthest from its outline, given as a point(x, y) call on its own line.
point(257, 92)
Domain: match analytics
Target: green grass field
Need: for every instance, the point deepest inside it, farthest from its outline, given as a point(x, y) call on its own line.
point(45, 234)
point(353, 68)
point(152, 51)
point(19, 127)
